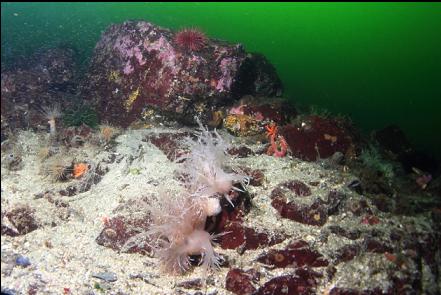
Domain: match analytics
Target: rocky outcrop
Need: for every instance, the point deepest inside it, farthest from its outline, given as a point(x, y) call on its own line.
point(139, 70)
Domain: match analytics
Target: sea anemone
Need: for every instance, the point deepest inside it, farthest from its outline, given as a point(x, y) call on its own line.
point(204, 166)
point(190, 39)
point(177, 231)
point(52, 113)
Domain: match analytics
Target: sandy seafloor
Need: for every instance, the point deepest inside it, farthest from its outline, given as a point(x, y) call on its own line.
point(64, 253)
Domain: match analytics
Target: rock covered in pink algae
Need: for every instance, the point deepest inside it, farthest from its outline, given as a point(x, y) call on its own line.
point(137, 65)
point(247, 238)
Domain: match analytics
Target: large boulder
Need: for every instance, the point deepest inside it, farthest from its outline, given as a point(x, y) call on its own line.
point(138, 69)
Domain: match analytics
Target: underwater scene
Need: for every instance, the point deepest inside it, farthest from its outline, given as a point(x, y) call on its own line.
point(220, 148)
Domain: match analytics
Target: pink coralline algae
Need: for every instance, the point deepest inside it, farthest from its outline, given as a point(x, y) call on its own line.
point(227, 67)
point(166, 53)
point(238, 110)
point(127, 50)
point(128, 68)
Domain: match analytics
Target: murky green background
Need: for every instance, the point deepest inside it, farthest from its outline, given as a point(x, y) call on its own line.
point(379, 63)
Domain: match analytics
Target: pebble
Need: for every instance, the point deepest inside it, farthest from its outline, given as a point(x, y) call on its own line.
point(22, 261)
point(7, 291)
point(106, 276)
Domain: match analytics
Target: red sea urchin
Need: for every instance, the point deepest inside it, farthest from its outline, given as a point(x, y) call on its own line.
point(190, 39)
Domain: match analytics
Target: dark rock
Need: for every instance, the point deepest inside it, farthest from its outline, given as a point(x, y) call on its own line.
point(358, 207)
point(297, 187)
point(7, 291)
point(118, 230)
point(297, 254)
point(138, 66)
point(370, 220)
point(75, 136)
point(191, 284)
point(383, 203)
point(242, 205)
point(23, 219)
point(348, 291)
point(239, 282)
point(246, 238)
point(337, 158)
point(351, 234)
point(69, 191)
point(317, 138)
point(373, 182)
point(171, 144)
point(347, 253)
point(240, 152)
point(277, 111)
point(376, 246)
point(256, 76)
point(355, 185)
point(314, 214)
point(335, 202)
point(420, 160)
point(236, 235)
point(302, 281)
point(34, 82)
point(256, 176)
point(394, 141)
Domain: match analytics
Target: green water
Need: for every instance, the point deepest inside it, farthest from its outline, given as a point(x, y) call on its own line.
point(379, 63)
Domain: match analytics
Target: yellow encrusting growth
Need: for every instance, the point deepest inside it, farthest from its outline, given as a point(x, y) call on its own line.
point(132, 97)
point(114, 76)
